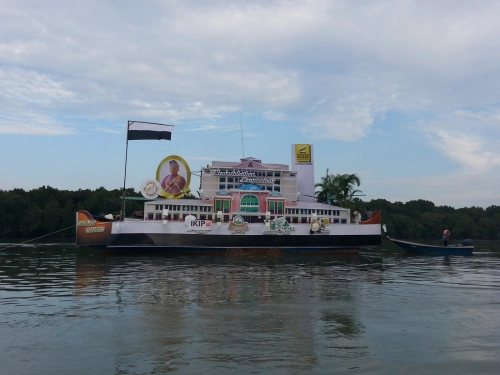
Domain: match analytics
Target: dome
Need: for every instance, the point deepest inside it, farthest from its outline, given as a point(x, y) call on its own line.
point(249, 187)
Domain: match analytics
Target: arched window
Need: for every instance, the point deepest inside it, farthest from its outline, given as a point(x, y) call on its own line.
point(249, 203)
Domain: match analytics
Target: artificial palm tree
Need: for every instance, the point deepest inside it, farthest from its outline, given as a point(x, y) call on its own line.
point(338, 188)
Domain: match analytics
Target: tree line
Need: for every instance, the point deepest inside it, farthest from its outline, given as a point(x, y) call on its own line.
point(38, 212)
point(422, 219)
point(34, 213)
point(414, 219)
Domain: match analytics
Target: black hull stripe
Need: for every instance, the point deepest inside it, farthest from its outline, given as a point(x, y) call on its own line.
point(262, 241)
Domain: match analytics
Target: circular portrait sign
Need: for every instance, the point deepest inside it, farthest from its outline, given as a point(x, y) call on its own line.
point(174, 176)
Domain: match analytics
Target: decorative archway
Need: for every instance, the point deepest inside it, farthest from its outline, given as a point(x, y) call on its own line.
point(249, 203)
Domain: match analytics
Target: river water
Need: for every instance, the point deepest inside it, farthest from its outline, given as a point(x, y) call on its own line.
point(67, 310)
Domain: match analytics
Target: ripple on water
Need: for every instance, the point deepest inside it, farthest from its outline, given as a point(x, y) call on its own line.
point(141, 315)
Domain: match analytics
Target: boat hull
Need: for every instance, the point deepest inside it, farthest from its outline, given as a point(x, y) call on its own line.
point(226, 251)
point(175, 237)
point(413, 247)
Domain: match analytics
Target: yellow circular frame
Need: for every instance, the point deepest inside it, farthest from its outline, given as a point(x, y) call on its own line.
point(187, 177)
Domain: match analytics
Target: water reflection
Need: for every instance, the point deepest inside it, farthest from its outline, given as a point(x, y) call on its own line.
point(91, 275)
point(142, 314)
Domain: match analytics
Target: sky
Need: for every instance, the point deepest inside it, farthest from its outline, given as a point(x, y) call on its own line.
point(406, 94)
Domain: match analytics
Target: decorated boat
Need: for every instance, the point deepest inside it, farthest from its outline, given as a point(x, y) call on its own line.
point(244, 207)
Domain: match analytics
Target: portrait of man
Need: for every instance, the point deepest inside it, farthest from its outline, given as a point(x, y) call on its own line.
point(173, 183)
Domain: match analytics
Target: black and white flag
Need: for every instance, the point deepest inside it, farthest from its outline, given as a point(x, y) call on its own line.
point(138, 130)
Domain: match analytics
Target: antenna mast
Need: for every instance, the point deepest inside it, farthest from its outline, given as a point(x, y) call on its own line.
point(242, 144)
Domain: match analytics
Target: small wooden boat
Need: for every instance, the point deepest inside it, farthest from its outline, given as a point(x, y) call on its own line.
point(466, 248)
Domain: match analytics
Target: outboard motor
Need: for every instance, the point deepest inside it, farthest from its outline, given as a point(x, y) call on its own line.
point(468, 243)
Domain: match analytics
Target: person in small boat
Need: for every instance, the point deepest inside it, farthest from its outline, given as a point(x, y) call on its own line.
point(173, 183)
point(446, 236)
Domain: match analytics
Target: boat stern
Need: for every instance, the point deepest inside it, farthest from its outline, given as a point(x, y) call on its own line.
point(91, 231)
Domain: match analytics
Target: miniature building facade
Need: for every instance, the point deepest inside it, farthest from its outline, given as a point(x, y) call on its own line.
point(255, 191)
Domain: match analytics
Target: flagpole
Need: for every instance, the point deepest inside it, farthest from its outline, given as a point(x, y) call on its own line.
point(140, 130)
point(125, 174)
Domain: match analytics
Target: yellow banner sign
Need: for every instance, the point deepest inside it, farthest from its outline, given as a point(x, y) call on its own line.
point(303, 153)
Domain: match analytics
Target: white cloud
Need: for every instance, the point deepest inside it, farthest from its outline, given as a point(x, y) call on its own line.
point(203, 158)
point(32, 123)
point(468, 150)
point(274, 116)
point(334, 68)
point(214, 128)
point(109, 131)
point(31, 87)
point(275, 58)
point(206, 128)
point(471, 139)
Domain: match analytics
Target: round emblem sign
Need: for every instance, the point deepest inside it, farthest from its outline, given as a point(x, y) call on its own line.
point(238, 220)
point(150, 189)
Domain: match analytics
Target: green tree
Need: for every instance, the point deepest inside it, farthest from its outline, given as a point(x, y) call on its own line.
point(492, 210)
point(338, 189)
point(475, 213)
point(51, 216)
point(407, 227)
point(102, 201)
point(487, 228)
point(420, 206)
point(31, 222)
point(463, 226)
point(12, 205)
point(496, 220)
point(432, 224)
